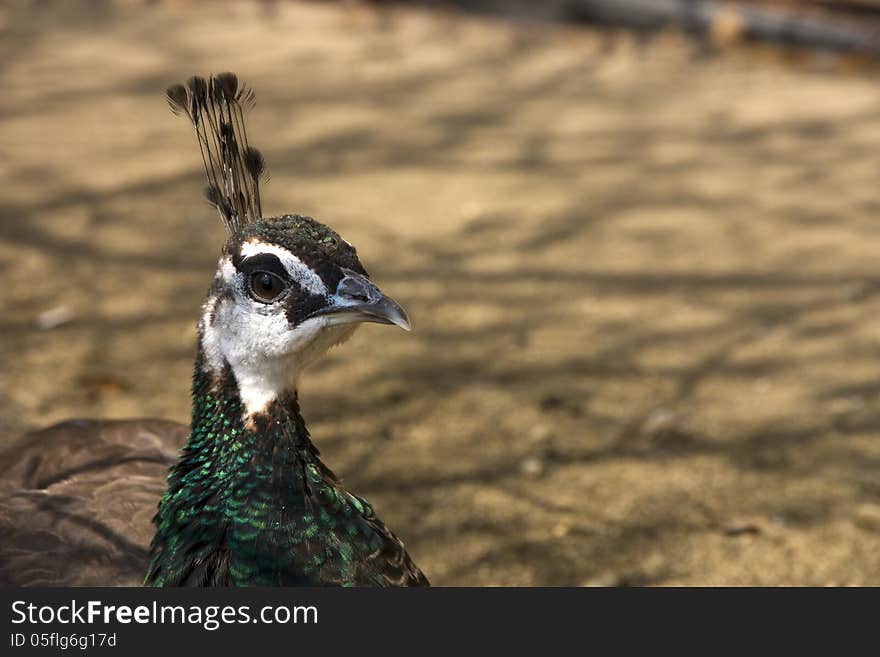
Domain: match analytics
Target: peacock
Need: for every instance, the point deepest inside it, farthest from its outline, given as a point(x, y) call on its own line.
point(247, 500)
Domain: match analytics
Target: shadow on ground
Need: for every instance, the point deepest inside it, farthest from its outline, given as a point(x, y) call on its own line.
point(643, 278)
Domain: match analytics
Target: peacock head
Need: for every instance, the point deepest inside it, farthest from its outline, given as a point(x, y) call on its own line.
point(286, 290)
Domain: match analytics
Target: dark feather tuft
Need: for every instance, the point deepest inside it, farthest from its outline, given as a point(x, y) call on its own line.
point(177, 100)
point(246, 97)
point(198, 87)
point(216, 198)
point(254, 162)
point(227, 85)
point(215, 106)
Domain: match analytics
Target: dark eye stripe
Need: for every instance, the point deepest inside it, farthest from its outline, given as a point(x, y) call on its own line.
point(301, 304)
point(329, 273)
point(263, 262)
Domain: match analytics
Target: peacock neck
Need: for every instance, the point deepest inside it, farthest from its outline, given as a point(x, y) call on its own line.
point(243, 491)
point(250, 503)
point(271, 450)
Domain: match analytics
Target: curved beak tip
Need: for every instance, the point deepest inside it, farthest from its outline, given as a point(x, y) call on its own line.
point(357, 299)
point(391, 312)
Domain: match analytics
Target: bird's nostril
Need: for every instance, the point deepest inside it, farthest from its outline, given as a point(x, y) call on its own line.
point(355, 290)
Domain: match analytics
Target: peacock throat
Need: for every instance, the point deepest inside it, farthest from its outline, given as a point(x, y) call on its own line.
point(251, 503)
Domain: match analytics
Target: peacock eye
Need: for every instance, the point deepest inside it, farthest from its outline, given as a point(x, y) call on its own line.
point(266, 287)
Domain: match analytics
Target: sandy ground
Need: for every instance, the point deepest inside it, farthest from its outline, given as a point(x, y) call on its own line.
point(644, 278)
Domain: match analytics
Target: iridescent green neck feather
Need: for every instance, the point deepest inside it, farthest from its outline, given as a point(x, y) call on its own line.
point(252, 504)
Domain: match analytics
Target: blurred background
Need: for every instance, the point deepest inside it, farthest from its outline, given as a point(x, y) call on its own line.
point(638, 240)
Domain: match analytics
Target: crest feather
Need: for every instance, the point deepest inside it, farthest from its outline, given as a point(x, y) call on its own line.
point(215, 106)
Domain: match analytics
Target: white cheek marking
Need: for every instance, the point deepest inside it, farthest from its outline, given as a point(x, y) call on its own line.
point(263, 379)
point(265, 354)
point(214, 358)
point(297, 269)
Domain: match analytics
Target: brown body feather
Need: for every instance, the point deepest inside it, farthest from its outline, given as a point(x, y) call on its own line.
point(77, 499)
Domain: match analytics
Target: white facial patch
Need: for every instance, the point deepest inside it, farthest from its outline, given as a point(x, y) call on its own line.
point(265, 352)
point(295, 267)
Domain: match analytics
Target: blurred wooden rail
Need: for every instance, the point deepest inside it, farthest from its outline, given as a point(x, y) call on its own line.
point(730, 20)
point(845, 5)
point(845, 26)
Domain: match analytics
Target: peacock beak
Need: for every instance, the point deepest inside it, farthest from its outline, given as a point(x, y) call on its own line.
point(357, 299)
